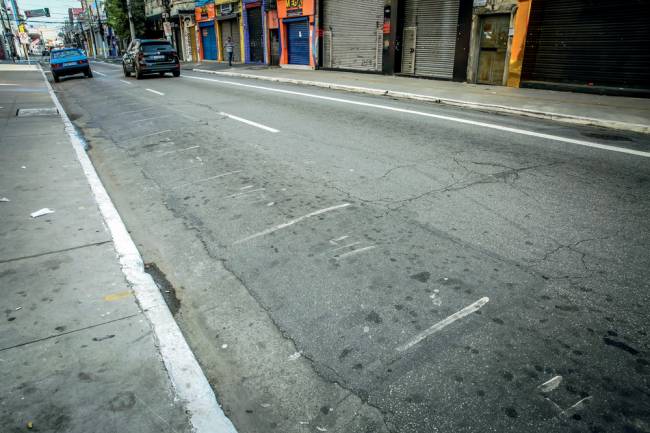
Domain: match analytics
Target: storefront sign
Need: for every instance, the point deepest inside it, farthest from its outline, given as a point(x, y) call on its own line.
point(294, 4)
point(204, 13)
point(479, 3)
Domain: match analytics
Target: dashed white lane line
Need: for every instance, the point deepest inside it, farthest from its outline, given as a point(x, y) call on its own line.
point(443, 323)
point(155, 91)
point(291, 222)
point(250, 122)
point(125, 82)
point(353, 252)
point(99, 73)
point(436, 116)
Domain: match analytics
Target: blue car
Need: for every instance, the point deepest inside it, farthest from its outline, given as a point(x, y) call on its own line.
point(69, 61)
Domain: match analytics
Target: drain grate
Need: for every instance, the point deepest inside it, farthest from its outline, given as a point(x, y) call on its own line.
point(31, 112)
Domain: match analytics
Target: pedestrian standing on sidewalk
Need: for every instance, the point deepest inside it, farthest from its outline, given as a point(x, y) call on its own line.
point(230, 50)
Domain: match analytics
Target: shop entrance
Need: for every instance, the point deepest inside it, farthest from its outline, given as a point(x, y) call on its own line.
point(298, 37)
point(208, 41)
point(255, 35)
point(493, 49)
point(231, 28)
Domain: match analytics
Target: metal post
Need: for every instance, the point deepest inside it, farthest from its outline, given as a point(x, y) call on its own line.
point(92, 35)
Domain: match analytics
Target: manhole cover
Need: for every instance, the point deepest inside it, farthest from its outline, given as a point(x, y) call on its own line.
point(30, 112)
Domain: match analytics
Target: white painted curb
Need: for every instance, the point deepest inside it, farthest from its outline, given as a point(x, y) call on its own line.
point(187, 378)
point(558, 117)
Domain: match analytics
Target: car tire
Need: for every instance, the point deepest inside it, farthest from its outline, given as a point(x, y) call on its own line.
point(56, 78)
point(176, 73)
point(126, 73)
point(162, 74)
point(88, 73)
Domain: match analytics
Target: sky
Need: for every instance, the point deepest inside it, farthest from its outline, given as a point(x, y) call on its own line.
point(58, 10)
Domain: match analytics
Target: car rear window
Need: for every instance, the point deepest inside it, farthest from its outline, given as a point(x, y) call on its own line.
point(66, 53)
point(155, 47)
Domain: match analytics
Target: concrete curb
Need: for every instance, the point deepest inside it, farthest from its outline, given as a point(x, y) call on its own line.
point(557, 117)
point(187, 378)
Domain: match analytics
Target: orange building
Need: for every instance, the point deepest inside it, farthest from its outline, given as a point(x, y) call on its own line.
point(298, 34)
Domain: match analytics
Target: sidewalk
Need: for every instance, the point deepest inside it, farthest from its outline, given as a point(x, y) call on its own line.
point(629, 114)
point(86, 344)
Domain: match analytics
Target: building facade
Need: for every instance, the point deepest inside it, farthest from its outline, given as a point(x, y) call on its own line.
point(255, 32)
point(298, 33)
point(229, 25)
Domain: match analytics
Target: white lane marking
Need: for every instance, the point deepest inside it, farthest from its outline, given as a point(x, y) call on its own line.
point(550, 384)
point(99, 73)
point(241, 194)
point(438, 116)
point(150, 135)
point(250, 122)
point(155, 91)
point(169, 152)
point(6, 84)
point(107, 64)
point(207, 179)
point(443, 323)
point(346, 246)
point(125, 82)
point(337, 240)
point(188, 381)
point(151, 118)
point(353, 252)
point(291, 222)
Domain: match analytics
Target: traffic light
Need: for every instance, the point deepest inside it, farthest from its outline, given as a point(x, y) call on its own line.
point(47, 11)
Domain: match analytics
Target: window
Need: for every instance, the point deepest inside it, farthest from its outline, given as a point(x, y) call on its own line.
point(66, 53)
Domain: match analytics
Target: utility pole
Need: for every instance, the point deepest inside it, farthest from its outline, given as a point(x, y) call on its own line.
point(84, 4)
point(131, 25)
point(101, 29)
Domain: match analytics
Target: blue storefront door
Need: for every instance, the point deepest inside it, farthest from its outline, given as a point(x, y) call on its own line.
point(209, 42)
point(298, 35)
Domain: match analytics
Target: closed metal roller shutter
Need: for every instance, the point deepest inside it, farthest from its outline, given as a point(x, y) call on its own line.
point(298, 36)
point(353, 26)
point(599, 43)
point(435, 43)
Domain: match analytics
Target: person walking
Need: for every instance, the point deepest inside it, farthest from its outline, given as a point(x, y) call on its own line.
point(230, 50)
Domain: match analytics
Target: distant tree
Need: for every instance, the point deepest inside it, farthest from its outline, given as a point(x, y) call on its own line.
point(118, 17)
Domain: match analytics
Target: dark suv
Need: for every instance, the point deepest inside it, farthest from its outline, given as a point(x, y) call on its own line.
point(150, 56)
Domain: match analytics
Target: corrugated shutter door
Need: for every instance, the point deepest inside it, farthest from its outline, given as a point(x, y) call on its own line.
point(604, 43)
point(435, 44)
point(353, 26)
point(298, 33)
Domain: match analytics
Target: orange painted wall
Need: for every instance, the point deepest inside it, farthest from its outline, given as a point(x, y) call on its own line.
point(518, 43)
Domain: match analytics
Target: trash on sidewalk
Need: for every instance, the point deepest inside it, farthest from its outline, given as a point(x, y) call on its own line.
point(30, 425)
point(19, 308)
point(41, 212)
point(265, 405)
point(4, 199)
point(294, 356)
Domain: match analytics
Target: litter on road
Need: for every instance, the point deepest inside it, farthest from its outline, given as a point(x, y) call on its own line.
point(41, 212)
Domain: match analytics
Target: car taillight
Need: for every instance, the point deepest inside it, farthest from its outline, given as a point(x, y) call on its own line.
point(56, 65)
point(81, 62)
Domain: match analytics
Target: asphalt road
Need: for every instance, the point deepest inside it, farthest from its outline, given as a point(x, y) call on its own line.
point(352, 263)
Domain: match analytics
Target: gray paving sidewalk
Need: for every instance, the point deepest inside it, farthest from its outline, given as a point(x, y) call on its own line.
point(77, 353)
point(615, 112)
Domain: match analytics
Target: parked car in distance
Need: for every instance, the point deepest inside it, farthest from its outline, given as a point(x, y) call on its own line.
point(150, 56)
point(69, 61)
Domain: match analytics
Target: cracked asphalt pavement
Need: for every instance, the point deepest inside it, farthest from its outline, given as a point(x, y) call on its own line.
point(342, 268)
